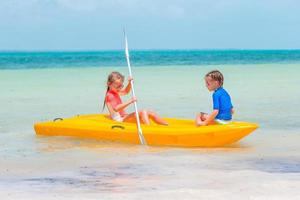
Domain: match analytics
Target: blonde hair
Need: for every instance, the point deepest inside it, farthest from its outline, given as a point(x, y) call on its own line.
point(216, 75)
point(111, 79)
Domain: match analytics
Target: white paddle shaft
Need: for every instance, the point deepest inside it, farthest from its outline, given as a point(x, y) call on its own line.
point(142, 139)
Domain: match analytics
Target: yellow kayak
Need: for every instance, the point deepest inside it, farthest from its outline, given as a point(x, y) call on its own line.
point(179, 132)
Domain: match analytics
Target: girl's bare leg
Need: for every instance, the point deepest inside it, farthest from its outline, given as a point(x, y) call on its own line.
point(142, 115)
point(156, 118)
point(130, 118)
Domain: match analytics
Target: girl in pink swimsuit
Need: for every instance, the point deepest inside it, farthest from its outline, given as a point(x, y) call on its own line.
point(116, 107)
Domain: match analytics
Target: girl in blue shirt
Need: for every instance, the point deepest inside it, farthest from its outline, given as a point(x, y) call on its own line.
point(222, 106)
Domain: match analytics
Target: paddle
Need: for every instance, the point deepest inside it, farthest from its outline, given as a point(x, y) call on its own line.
point(142, 139)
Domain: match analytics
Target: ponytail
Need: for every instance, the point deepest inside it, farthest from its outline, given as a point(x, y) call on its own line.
point(105, 98)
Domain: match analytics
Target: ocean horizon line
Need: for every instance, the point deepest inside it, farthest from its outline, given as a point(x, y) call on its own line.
point(119, 50)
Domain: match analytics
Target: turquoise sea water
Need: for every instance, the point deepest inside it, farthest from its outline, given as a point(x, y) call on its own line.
point(27, 60)
point(264, 89)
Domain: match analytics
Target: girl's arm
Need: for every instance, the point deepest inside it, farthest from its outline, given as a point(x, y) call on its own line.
point(210, 117)
point(127, 89)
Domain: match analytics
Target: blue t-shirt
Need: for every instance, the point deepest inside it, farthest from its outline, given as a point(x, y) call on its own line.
point(222, 102)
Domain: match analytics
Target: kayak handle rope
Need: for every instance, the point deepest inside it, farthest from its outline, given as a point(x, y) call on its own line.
point(56, 119)
point(117, 126)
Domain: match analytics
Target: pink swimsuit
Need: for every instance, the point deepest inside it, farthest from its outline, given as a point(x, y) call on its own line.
point(114, 99)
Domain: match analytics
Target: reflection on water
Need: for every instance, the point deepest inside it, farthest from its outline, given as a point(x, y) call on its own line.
point(49, 144)
point(276, 165)
point(57, 143)
point(123, 178)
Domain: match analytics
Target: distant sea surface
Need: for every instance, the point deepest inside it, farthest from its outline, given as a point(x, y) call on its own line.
point(31, 60)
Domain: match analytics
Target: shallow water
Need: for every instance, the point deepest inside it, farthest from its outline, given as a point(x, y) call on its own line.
point(264, 165)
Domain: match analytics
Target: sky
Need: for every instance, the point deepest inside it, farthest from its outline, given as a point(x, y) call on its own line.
point(36, 25)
